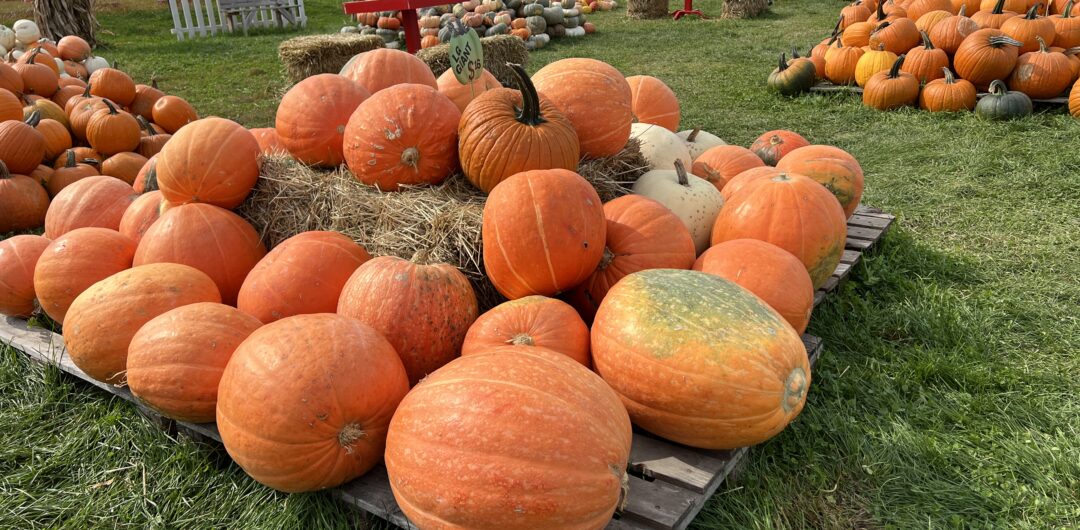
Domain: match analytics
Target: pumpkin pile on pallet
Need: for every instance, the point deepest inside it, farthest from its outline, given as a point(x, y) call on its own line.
point(677, 308)
point(941, 54)
point(534, 21)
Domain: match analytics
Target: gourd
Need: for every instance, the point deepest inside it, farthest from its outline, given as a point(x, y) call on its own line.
point(692, 199)
point(575, 32)
point(75, 261)
point(536, 24)
point(554, 15)
point(532, 321)
point(660, 146)
point(312, 115)
point(91, 201)
point(18, 256)
point(792, 78)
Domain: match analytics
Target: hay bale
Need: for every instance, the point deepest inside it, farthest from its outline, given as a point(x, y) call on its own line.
point(744, 8)
point(309, 55)
point(428, 224)
point(498, 50)
point(647, 8)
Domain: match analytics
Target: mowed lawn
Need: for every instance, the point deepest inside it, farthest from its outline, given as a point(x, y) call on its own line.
point(948, 392)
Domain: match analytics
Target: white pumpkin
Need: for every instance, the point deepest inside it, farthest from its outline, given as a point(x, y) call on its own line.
point(7, 37)
point(59, 64)
point(693, 199)
point(350, 29)
point(95, 63)
point(699, 141)
point(3, 52)
point(15, 54)
point(660, 146)
point(26, 32)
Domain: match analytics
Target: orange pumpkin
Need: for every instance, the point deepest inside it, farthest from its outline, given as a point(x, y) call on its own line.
point(653, 102)
point(931, 19)
point(641, 234)
point(269, 143)
point(152, 140)
point(993, 14)
point(1029, 28)
point(535, 321)
point(897, 36)
point(112, 84)
point(857, 34)
point(172, 113)
point(721, 163)
point(915, 9)
point(384, 67)
point(461, 94)
point(768, 271)
point(73, 48)
point(175, 360)
point(1074, 100)
point(213, 160)
point(141, 215)
point(423, 310)
point(302, 275)
point(1067, 26)
point(110, 131)
point(124, 166)
point(66, 93)
point(70, 171)
point(38, 79)
point(948, 94)
point(312, 115)
point(683, 349)
point(22, 147)
point(146, 180)
point(145, 98)
point(831, 167)
point(81, 110)
point(57, 138)
point(551, 251)
point(403, 135)
point(18, 257)
point(75, 261)
point(603, 119)
point(771, 146)
point(986, 55)
point(23, 201)
point(740, 180)
point(1041, 74)
point(102, 320)
point(10, 106)
point(429, 41)
point(10, 79)
point(793, 212)
point(211, 239)
point(531, 401)
point(91, 201)
point(925, 62)
point(853, 13)
point(840, 62)
point(949, 33)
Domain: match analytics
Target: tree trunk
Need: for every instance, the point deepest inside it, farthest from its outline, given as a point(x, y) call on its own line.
point(59, 18)
point(647, 8)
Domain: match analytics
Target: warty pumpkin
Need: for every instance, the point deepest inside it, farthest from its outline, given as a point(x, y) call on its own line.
point(1029, 28)
point(112, 84)
point(141, 215)
point(382, 68)
point(112, 131)
point(71, 171)
point(792, 78)
point(684, 349)
point(18, 256)
point(897, 36)
point(528, 401)
point(75, 261)
point(951, 32)
point(693, 199)
point(986, 55)
point(1041, 74)
point(311, 118)
point(91, 201)
point(532, 321)
point(642, 234)
point(172, 113)
point(211, 239)
point(175, 360)
point(461, 94)
point(22, 147)
point(1066, 27)
point(872, 62)
point(840, 62)
point(506, 132)
point(554, 249)
point(772, 146)
point(212, 160)
point(720, 164)
point(603, 119)
point(102, 320)
point(831, 167)
point(403, 135)
point(302, 275)
point(652, 101)
point(23, 201)
point(793, 212)
point(768, 271)
point(948, 94)
point(993, 14)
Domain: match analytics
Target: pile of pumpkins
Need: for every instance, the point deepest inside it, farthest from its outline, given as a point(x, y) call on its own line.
point(938, 54)
point(534, 21)
point(677, 308)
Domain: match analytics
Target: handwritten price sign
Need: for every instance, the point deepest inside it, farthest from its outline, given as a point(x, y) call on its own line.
point(466, 54)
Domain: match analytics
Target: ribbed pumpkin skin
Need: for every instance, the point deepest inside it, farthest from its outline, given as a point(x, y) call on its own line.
point(720, 164)
point(833, 168)
point(23, 201)
point(642, 234)
point(101, 321)
point(21, 147)
point(740, 180)
point(793, 212)
point(10, 106)
point(66, 174)
point(92, 201)
point(145, 97)
point(652, 101)
point(312, 115)
point(461, 94)
point(494, 413)
point(948, 94)
point(141, 215)
point(212, 160)
point(75, 261)
point(771, 146)
point(10, 80)
point(951, 32)
point(423, 310)
point(536, 321)
point(305, 402)
point(768, 271)
point(302, 275)
point(979, 62)
point(1041, 74)
point(405, 134)
point(603, 119)
point(382, 68)
point(699, 360)
point(554, 249)
point(114, 85)
point(211, 239)
point(18, 256)
point(175, 360)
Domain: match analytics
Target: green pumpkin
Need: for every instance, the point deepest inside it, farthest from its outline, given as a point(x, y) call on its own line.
point(498, 29)
point(536, 25)
point(532, 10)
point(1001, 104)
point(554, 15)
point(792, 78)
point(446, 33)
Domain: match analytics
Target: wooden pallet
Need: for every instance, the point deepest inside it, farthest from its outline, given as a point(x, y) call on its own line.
point(827, 87)
point(865, 228)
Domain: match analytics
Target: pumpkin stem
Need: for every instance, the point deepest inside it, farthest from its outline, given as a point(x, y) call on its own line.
point(1002, 40)
point(92, 162)
point(963, 11)
point(70, 158)
point(783, 63)
point(521, 339)
point(836, 28)
point(927, 44)
point(153, 82)
point(949, 78)
point(794, 52)
point(350, 434)
point(606, 259)
point(1067, 13)
point(881, 10)
point(34, 119)
point(145, 126)
point(112, 108)
point(151, 179)
point(4, 173)
point(693, 135)
point(999, 7)
point(997, 88)
point(680, 173)
point(1033, 13)
point(894, 72)
point(1042, 44)
point(530, 102)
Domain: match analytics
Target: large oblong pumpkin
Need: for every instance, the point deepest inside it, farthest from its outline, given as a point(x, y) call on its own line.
point(652, 101)
point(536, 321)
point(303, 274)
point(555, 247)
point(175, 360)
point(833, 168)
point(423, 310)
point(101, 321)
point(93, 201)
point(75, 261)
point(595, 97)
point(212, 160)
point(311, 118)
point(382, 68)
point(18, 256)
point(793, 212)
point(304, 402)
point(211, 239)
point(699, 360)
point(544, 439)
point(405, 134)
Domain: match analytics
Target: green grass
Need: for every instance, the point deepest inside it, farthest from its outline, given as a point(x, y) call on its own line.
point(947, 395)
